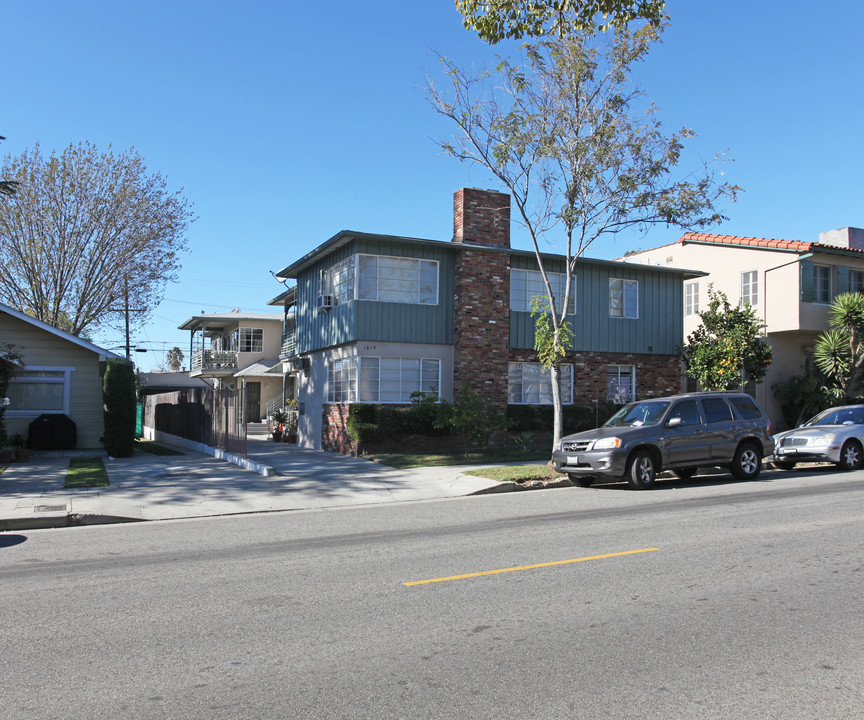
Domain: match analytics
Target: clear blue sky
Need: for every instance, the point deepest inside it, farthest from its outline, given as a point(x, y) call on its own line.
point(285, 122)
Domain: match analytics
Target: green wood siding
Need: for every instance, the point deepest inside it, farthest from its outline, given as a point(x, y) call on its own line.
point(658, 329)
point(375, 321)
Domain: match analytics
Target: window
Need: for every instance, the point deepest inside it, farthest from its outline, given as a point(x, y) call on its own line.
point(856, 281)
point(822, 283)
point(620, 384)
point(395, 279)
point(716, 410)
point(688, 411)
point(746, 407)
point(531, 384)
point(525, 285)
point(382, 380)
point(750, 288)
point(38, 390)
point(248, 339)
point(342, 381)
point(691, 299)
point(623, 298)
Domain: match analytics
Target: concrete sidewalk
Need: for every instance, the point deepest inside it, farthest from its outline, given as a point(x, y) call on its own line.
point(151, 487)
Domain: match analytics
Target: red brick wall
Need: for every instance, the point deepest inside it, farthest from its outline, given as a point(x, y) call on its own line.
point(481, 216)
point(656, 375)
point(334, 430)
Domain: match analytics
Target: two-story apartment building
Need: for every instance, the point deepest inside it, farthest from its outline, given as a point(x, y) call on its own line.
point(240, 350)
point(379, 317)
point(789, 283)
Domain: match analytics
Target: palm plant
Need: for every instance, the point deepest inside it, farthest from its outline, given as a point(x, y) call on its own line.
point(839, 351)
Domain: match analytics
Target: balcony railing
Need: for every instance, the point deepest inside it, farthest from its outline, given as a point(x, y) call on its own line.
point(214, 360)
point(289, 343)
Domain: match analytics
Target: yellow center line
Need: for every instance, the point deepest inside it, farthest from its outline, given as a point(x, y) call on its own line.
point(528, 567)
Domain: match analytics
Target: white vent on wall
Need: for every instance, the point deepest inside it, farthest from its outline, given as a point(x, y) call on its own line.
point(325, 302)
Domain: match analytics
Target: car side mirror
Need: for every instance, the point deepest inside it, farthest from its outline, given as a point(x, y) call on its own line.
point(674, 422)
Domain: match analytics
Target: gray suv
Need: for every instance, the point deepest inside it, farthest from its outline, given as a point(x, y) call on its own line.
point(678, 433)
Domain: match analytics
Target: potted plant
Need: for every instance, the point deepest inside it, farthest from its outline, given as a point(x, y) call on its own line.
point(280, 417)
point(22, 453)
point(289, 431)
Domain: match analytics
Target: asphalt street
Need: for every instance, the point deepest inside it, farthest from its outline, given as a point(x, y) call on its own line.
point(695, 600)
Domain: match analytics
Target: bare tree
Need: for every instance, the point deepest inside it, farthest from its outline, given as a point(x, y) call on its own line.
point(87, 235)
point(561, 130)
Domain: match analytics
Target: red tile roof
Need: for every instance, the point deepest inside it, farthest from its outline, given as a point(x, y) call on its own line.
point(754, 241)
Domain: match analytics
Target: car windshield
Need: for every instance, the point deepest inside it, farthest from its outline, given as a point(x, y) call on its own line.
point(636, 414)
point(838, 416)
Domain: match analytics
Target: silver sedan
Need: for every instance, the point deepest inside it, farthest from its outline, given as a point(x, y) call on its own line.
point(835, 435)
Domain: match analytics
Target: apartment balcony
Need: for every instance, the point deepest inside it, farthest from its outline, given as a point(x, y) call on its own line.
point(214, 361)
point(289, 343)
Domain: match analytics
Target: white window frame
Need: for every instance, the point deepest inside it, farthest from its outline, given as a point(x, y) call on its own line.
point(691, 299)
point(532, 374)
point(750, 288)
point(619, 291)
point(360, 378)
point(817, 284)
point(20, 377)
point(617, 397)
point(339, 280)
point(525, 285)
point(366, 292)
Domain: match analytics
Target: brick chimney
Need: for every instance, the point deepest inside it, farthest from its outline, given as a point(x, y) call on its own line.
point(481, 216)
point(482, 293)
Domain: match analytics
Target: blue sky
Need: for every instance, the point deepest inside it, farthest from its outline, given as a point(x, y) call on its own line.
point(285, 122)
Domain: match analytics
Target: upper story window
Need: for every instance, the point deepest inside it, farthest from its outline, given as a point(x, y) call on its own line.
point(750, 288)
point(822, 283)
point(856, 281)
point(37, 390)
point(396, 279)
point(249, 339)
point(623, 298)
point(691, 299)
point(525, 285)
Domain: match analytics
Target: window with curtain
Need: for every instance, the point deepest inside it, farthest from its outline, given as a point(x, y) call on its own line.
point(38, 390)
point(623, 298)
point(531, 384)
point(383, 278)
point(383, 379)
point(620, 383)
point(525, 285)
point(691, 299)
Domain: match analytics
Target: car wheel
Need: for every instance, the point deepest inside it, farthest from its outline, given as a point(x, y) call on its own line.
point(641, 470)
point(747, 462)
point(685, 473)
point(581, 480)
point(783, 464)
point(851, 457)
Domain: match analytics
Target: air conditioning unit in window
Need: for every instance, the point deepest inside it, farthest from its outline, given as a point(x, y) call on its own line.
point(325, 302)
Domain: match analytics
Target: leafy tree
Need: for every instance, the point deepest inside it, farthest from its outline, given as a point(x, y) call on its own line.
point(119, 394)
point(561, 131)
point(801, 397)
point(495, 20)
point(174, 357)
point(839, 351)
point(727, 349)
point(86, 235)
point(7, 187)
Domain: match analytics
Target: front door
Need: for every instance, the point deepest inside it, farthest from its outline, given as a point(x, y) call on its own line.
point(253, 402)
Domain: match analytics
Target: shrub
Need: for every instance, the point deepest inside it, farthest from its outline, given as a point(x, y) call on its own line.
point(118, 392)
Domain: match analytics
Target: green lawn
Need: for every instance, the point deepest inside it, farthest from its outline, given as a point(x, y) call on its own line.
point(410, 460)
point(516, 473)
point(85, 473)
point(153, 448)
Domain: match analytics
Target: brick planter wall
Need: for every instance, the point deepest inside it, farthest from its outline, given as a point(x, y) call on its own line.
point(334, 430)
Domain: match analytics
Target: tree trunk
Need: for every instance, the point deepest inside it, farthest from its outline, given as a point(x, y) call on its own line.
point(558, 409)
